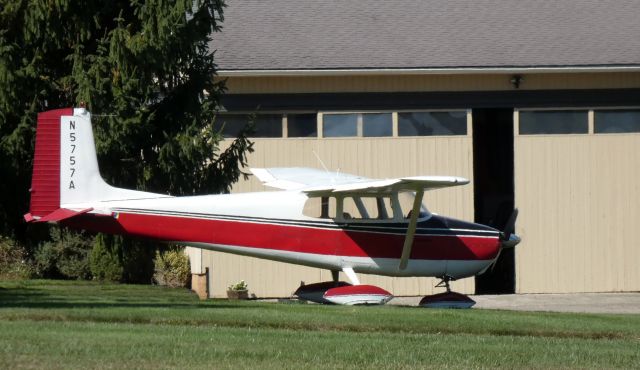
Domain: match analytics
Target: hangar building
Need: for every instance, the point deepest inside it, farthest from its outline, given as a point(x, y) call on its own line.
point(537, 103)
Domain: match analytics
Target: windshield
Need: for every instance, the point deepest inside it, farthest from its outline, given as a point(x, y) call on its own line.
point(406, 199)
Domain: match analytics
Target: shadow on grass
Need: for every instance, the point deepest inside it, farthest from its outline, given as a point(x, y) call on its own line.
point(28, 298)
point(127, 305)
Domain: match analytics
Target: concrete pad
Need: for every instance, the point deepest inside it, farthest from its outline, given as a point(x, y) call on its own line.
point(627, 303)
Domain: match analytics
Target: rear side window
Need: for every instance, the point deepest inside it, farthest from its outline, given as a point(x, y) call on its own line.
point(320, 207)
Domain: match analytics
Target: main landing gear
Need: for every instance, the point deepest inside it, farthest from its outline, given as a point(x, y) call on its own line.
point(447, 299)
point(340, 292)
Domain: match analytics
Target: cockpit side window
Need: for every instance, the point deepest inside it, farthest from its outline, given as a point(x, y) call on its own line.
point(367, 208)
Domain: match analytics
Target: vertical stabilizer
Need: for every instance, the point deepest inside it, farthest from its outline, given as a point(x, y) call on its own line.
point(80, 179)
point(66, 177)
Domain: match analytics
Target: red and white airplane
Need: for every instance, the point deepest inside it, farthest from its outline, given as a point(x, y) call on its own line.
point(333, 221)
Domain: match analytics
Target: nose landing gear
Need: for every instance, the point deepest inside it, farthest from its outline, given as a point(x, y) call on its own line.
point(447, 299)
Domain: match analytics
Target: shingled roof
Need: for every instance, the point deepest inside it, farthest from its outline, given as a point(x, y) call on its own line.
point(322, 35)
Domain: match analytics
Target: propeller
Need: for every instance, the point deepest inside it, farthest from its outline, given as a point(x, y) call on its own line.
point(508, 238)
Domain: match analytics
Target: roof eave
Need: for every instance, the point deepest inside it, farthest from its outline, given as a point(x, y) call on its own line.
point(423, 71)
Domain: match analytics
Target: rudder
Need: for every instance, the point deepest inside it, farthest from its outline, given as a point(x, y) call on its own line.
point(45, 182)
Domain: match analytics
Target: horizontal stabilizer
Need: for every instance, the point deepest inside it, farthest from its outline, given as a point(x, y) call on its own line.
point(58, 215)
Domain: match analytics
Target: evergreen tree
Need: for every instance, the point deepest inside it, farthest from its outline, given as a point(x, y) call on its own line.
point(144, 69)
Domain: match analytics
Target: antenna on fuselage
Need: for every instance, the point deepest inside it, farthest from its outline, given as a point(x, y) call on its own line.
point(320, 160)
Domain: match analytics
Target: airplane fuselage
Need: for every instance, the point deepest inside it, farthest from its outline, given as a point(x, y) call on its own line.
point(271, 225)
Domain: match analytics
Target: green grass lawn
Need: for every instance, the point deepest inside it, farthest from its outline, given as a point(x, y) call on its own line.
point(71, 324)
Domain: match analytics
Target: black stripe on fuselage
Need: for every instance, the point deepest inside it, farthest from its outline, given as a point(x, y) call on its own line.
point(434, 225)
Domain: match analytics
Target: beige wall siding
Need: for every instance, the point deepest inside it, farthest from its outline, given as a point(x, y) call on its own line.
point(579, 201)
point(475, 82)
point(372, 157)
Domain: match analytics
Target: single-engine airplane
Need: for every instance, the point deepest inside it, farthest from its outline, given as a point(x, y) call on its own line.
point(334, 221)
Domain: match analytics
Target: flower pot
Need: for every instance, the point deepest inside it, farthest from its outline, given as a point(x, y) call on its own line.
point(238, 294)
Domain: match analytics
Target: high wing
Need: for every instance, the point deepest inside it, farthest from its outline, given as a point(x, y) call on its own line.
point(297, 178)
point(316, 182)
point(415, 183)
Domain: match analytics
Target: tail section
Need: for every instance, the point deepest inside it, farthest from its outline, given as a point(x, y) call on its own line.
point(66, 179)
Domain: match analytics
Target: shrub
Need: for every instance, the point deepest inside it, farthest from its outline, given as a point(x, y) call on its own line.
point(137, 261)
point(14, 263)
point(115, 258)
point(239, 286)
point(105, 259)
point(172, 268)
point(66, 255)
point(45, 261)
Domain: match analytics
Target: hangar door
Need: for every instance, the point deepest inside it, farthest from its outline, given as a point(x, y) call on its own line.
point(577, 185)
point(493, 189)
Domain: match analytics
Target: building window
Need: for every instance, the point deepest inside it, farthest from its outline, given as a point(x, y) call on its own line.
point(432, 123)
point(377, 124)
point(357, 124)
point(302, 125)
point(340, 125)
point(554, 122)
point(616, 121)
point(266, 125)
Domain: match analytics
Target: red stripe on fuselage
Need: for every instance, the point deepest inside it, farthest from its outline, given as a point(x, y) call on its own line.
point(293, 238)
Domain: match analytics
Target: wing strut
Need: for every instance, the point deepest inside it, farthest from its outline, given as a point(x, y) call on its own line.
point(351, 275)
point(411, 230)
